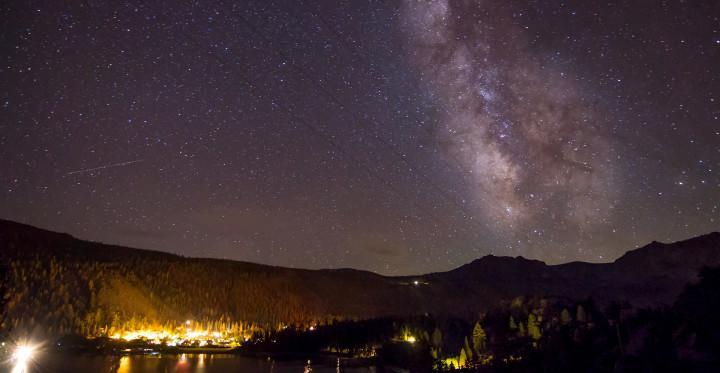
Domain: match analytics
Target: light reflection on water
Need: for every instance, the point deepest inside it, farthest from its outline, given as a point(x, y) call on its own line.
point(124, 366)
point(183, 363)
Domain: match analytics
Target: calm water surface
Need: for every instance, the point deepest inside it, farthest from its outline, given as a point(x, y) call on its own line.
point(185, 363)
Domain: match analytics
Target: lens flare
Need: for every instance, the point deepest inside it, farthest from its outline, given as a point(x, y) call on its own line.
point(21, 357)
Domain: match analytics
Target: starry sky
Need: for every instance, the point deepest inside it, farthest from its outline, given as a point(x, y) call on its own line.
point(400, 137)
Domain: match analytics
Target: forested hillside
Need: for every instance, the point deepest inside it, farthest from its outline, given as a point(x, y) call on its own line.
point(57, 284)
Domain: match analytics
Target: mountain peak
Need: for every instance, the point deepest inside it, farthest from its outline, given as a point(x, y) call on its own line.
point(494, 263)
point(693, 251)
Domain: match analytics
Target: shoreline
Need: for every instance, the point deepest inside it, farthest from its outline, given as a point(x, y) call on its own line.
point(326, 358)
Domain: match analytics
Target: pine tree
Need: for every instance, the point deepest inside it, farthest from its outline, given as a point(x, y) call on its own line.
point(581, 316)
point(468, 350)
point(437, 339)
point(565, 316)
point(479, 338)
point(533, 328)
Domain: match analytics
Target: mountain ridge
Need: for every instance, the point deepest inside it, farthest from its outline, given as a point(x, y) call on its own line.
point(714, 236)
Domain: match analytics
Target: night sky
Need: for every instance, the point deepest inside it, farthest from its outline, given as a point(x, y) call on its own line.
point(398, 137)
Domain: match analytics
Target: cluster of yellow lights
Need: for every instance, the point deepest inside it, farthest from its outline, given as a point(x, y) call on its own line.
point(181, 336)
point(452, 361)
point(407, 337)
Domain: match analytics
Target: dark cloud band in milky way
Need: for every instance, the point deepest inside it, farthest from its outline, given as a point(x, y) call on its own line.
point(532, 142)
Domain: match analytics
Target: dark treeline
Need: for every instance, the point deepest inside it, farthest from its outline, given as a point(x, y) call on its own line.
point(54, 284)
point(93, 298)
point(530, 334)
point(582, 337)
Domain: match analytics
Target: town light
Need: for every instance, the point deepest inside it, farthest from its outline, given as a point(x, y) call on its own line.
point(22, 355)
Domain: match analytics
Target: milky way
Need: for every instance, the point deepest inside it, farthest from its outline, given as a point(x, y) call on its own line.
point(534, 144)
point(399, 137)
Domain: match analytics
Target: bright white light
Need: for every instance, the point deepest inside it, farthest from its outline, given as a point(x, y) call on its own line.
point(416, 282)
point(21, 357)
point(23, 354)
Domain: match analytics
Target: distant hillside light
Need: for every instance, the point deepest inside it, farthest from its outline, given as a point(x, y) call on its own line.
point(187, 333)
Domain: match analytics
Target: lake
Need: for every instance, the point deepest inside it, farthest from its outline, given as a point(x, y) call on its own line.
point(184, 363)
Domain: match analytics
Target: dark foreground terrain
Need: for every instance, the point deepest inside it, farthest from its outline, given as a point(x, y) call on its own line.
point(496, 313)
